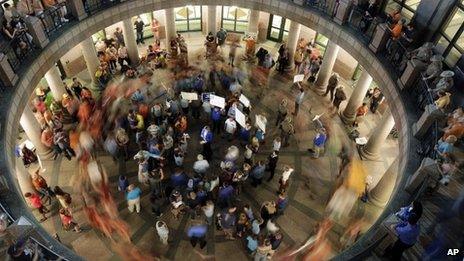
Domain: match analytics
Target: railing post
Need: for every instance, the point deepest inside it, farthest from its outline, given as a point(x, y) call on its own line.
point(7, 75)
point(379, 40)
point(343, 11)
point(76, 7)
point(37, 31)
point(427, 168)
point(409, 76)
point(430, 115)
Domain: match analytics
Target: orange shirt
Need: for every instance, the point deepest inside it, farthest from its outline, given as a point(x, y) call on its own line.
point(396, 31)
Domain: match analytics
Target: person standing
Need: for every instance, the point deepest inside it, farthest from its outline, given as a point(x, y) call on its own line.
point(139, 30)
point(264, 250)
point(163, 231)
point(206, 139)
point(230, 126)
point(287, 129)
point(281, 112)
point(133, 198)
point(333, 82)
point(283, 182)
point(319, 143)
point(272, 164)
point(216, 119)
point(339, 97)
point(227, 220)
point(299, 99)
point(257, 173)
point(35, 202)
point(197, 234)
point(208, 210)
point(68, 222)
point(41, 186)
point(281, 203)
point(408, 233)
point(64, 198)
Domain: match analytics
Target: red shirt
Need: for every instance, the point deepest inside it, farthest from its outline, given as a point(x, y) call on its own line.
point(35, 201)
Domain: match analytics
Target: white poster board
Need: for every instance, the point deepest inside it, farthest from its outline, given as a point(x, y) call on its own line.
point(217, 101)
point(240, 118)
point(244, 100)
point(190, 96)
point(298, 78)
point(261, 122)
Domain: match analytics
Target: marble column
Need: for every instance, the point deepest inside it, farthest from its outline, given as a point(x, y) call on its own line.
point(254, 21)
point(90, 56)
point(170, 23)
point(130, 41)
point(212, 23)
point(55, 83)
point(293, 36)
point(381, 193)
point(362, 86)
point(371, 150)
point(24, 177)
point(32, 129)
point(330, 56)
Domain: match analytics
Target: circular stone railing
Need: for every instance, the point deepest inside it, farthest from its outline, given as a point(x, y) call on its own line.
point(323, 24)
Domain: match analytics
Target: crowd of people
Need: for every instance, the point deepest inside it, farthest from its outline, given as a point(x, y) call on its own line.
point(157, 132)
point(206, 107)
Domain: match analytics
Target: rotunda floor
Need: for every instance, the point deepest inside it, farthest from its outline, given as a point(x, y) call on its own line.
point(311, 184)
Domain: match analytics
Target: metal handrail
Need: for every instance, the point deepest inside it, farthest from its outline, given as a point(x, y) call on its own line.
point(46, 251)
point(52, 18)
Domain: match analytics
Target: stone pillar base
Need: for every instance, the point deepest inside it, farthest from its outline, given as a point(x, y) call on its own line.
point(379, 40)
point(7, 75)
point(343, 11)
point(346, 119)
point(429, 116)
point(427, 168)
point(409, 75)
point(368, 155)
point(37, 31)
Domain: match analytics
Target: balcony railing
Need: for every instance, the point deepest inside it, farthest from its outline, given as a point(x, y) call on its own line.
point(52, 23)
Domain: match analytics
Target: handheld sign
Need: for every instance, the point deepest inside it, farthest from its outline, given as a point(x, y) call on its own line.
point(240, 118)
point(244, 100)
point(298, 78)
point(190, 96)
point(217, 101)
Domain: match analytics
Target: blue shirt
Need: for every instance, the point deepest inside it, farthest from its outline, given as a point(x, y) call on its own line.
point(445, 147)
point(252, 244)
point(282, 203)
point(123, 184)
point(216, 115)
point(206, 135)
point(226, 192)
point(258, 172)
point(319, 140)
point(197, 231)
point(179, 180)
point(408, 233)
point(133, 194)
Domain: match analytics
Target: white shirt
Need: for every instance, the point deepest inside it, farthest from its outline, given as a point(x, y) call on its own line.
point(230, 126)
point(276, 145)
point(122, 52)
point(201, 166)
point(286, 174)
